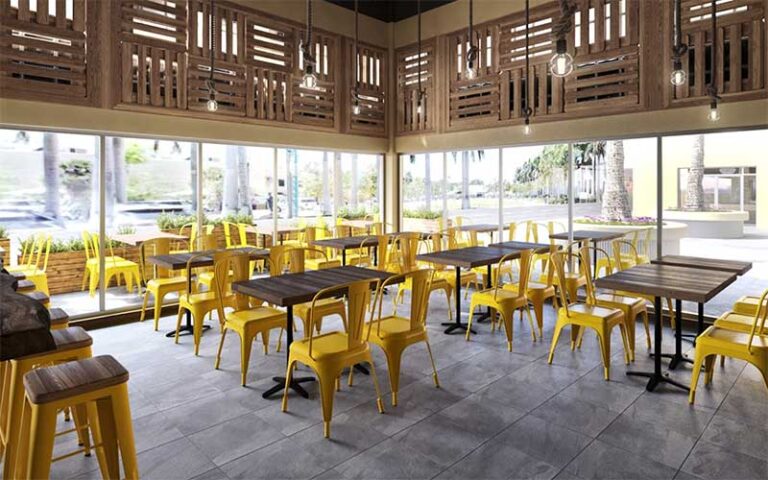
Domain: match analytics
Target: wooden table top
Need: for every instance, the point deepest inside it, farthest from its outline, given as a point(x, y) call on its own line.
point(595, 235)
point(347, 243)
point(733, 266)
point(141, 237)
point(294, 288)
point(514, 245)
point(469, 257)
point(480, 227)
point(270, 230)
point(359, 223)
point(682, 283)
point(178, 261)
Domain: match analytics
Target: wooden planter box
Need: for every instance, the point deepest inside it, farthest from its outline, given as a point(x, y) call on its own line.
point(5, 244)
point(66, 269)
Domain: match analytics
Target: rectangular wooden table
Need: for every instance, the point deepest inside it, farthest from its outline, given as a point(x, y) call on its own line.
point(347, 243)
point(269, 231)
point(667, 281)
point(470, 257)
point(480, 228)
point(141, 237)
point(514, 245)
point(178, 261)
point(595, 236)
point(296, 288)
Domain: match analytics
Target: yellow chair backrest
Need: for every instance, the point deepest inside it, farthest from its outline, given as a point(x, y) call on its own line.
point(194, 232)
point(617, 246)
point(760, 317)
point(358, 295)
point(409, 247)
point(240, 229)
point(155, 246)
point(43, 250)
point(87, 245)
point(539, 233)
point(586, 255)
point(511, 231)
point(340, 231)
point(421, 286)
point(434, 242)
point(646, 247)
point(97, 247)
point(452, 235)
point(377, 228)
point(525, 271)
point(561, 259)
point(230, 266)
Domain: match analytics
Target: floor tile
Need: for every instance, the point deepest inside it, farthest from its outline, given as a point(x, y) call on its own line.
point(603, 461)
point(546, 441)
point(235, 438)
point(709, 461)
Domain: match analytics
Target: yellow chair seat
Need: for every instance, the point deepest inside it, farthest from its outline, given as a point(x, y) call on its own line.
point(537, 294)
point(746, 305)
point(723, 337)
point(198, 298)
point(391, 326)
point(166, 282)
point(319, 263)
point(735, 321)
point(326, 346)
point(268, 316)
point(501, 296)
point(323, 307)
point(532, 287)
point(619, 300)
point(583, 309)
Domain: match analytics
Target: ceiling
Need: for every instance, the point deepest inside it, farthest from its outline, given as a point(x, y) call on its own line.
point(390, 10)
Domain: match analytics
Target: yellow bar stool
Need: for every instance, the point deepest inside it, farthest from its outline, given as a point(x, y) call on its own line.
point(72, 343)
point(101, 385)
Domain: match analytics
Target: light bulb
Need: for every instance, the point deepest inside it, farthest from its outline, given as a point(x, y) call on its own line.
point(419, 108)
point(356, 107)
point(678, 77)
point(471, 72)
point(561, 63)
point(527, 130)
point(714, 113)
point(212, 105)
point(309, 80)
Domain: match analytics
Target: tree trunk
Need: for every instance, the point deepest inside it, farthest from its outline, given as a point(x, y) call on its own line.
point(109, 182)
point(428, 182)
point(615, 198)
point(694, 199)
point(353, 197)
point(337, 185)
point(229, 203)
point(118, 150)
point(243, 190)
point(51, 174)
point(193, 173)
point(327, 207)
point(289, 173)
point(465, 180)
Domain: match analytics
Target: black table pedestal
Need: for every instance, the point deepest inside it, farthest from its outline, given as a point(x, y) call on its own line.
point(457, 325)
point(187, 328)
point(295, 381)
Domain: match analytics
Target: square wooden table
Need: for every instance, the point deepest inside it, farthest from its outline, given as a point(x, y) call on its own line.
point(296, 288)
point(667, 281)
point(270, 231)
point(469, 257)
point(347, 243)
point(480, 228)
point(178, 261)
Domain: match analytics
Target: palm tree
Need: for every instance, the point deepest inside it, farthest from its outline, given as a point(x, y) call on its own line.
point(243, 187)
point(327, 209)
point(338, 190)
point(51, 174)
point(595, 152)
point(193, 172)
point(229, 202)
point(694, 198)
point(118, 151)
point(615, 198)
point(465, 180)
point(427, 182)
point(353, 199)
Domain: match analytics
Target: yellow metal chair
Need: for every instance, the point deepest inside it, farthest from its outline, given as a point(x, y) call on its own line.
point(631, 306)
point(625, 259)
point(324, 307)
point(158, 282)
point(394, 333)
point(746, 305)
point(328, 354)
point(586, 315)
point(469, 277)
point(197, 304)
point(317, 258)
point(34, 262)
point(506, 302)
point(751, 347)
point(235, 234)
point(192, 230)
point(538, 293)
point(438, 282)
point(205, 274)
point(245, 320)
point(98, 384)
point(114, 266)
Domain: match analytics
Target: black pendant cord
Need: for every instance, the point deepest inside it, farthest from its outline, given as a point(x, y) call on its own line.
point(308, 42)
point(356, 92)
point(471, 24)
point(678, 49)
point(526, 109)
point(212, 33)
point(418, 58)
point(713, 57)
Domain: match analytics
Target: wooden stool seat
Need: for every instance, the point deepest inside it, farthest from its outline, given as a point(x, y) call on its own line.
point(18, 275)
point(71, 337)
point(39, 296)
point(59, 318)
point(45, 385)
point(25, 286)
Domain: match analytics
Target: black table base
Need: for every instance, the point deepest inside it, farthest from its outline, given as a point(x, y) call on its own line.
point(656, 377)
point(294, 385)
point(456, 324)
point(185, 330)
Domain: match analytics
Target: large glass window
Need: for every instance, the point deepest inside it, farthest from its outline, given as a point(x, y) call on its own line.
point(473, 187)
point(48, 199)
point(423, 191)
point(711, 197)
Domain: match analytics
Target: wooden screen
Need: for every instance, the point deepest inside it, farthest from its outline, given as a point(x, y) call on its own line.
point(607, 62)
point(44, 50)
point(474, 101)
point(316, 106)
point(545, 93)
point(370, 76)
point(408, 64)
point(740, 52)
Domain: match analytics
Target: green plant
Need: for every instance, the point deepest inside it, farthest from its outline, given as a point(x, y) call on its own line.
point(126, 229)
point(74, 171)
point(174, 221)
point(422, 213)
point(348, 213)
point(246, 218)
point(3, 231)
point(134, 154)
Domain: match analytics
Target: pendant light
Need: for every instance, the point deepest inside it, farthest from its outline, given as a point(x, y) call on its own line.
point(679, 49)
point(561, 63)
point(420, 93)
point(309, 80)
point(211, 105)
point(526, 108)
point(356, 91)
point(472, 51)
point(714, 98)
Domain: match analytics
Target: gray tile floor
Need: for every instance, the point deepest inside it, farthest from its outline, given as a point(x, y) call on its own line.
point(497, 414)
